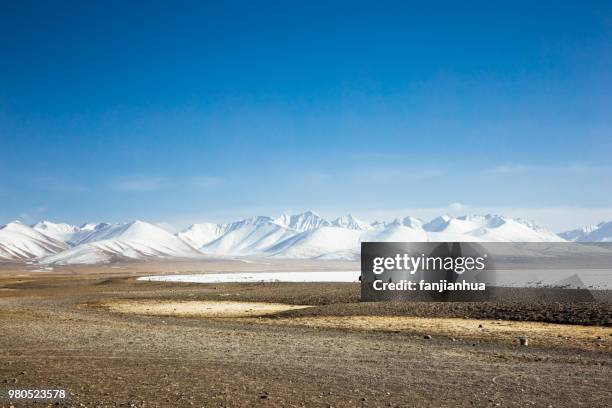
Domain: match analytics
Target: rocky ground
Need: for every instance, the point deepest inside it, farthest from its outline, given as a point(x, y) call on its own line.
point(58, 331)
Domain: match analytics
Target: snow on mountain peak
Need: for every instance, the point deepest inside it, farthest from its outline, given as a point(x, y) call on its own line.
point(198, 235)
point(412, 222)
point(302, 222)
point(93, 226)
point(350, 222)
point(248, 237)
point(16, 224)
point(601, 232)
point(317, 242)
point(305, 235)
point(18, 242)
point(60, 231)
point(437, 224)
point(134, 240)
point(487, 228)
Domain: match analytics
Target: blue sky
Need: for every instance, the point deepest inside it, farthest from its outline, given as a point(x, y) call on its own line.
point(183, 112)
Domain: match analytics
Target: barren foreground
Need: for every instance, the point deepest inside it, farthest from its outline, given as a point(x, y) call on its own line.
point(113, 341)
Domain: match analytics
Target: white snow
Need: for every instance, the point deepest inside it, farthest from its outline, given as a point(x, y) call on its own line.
point(319, 276)
point(305, 235)
point(136, 240)
point(199, 235)
point(601, 232)
point(60, 231)
point(248, 237)
point(302, 222)
point(396, 232)
point(350, 222)
point(317, 242)
point(18, 242)
point(598, 278)
point(487, 228)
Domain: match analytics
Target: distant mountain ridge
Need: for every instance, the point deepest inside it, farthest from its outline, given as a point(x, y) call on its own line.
point(302, 222)
point(131, 241)
point(18, 242)
point(601, 232)
point(304, 235)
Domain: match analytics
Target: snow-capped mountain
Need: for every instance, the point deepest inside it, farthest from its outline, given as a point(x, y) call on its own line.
point(337, 242)
point(198, 235)
point(412, 222)
point(306, 235)
point(601, 232)
point(135, 240)
point(317, 242)
point(247, 237)
point(350, 222)
point(487, 228)
point(438, 224)
point(61, 232)
point(396, 231)
point(378, 224)
point(18, 242)
point(302, 222)
point(69, 234)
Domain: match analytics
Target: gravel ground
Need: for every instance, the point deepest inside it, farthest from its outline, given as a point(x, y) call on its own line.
point(55, 333)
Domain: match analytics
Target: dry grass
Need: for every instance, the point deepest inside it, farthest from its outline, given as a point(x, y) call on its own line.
point(213, 309)
point(539, 334)
point(478, 330)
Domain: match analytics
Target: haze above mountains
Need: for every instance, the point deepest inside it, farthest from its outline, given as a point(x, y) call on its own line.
point(298, 236)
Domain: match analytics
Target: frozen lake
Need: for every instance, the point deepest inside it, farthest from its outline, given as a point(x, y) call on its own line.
point(319, 276)
point(591, 278)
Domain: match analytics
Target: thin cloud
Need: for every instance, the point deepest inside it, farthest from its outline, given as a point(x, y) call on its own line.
point(458, 208)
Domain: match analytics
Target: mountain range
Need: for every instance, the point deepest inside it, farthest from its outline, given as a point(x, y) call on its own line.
point(305, 235)
point(601, 232)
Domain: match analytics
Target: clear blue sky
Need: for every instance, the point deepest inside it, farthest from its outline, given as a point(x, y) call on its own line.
point(187, 111)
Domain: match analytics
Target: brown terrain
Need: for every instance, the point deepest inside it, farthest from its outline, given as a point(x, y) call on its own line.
point(110, 341)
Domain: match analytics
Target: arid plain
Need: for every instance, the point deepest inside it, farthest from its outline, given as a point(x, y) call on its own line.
point(110, 340)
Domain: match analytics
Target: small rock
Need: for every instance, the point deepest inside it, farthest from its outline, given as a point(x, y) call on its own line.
point(480, 326)
point(427, 337)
